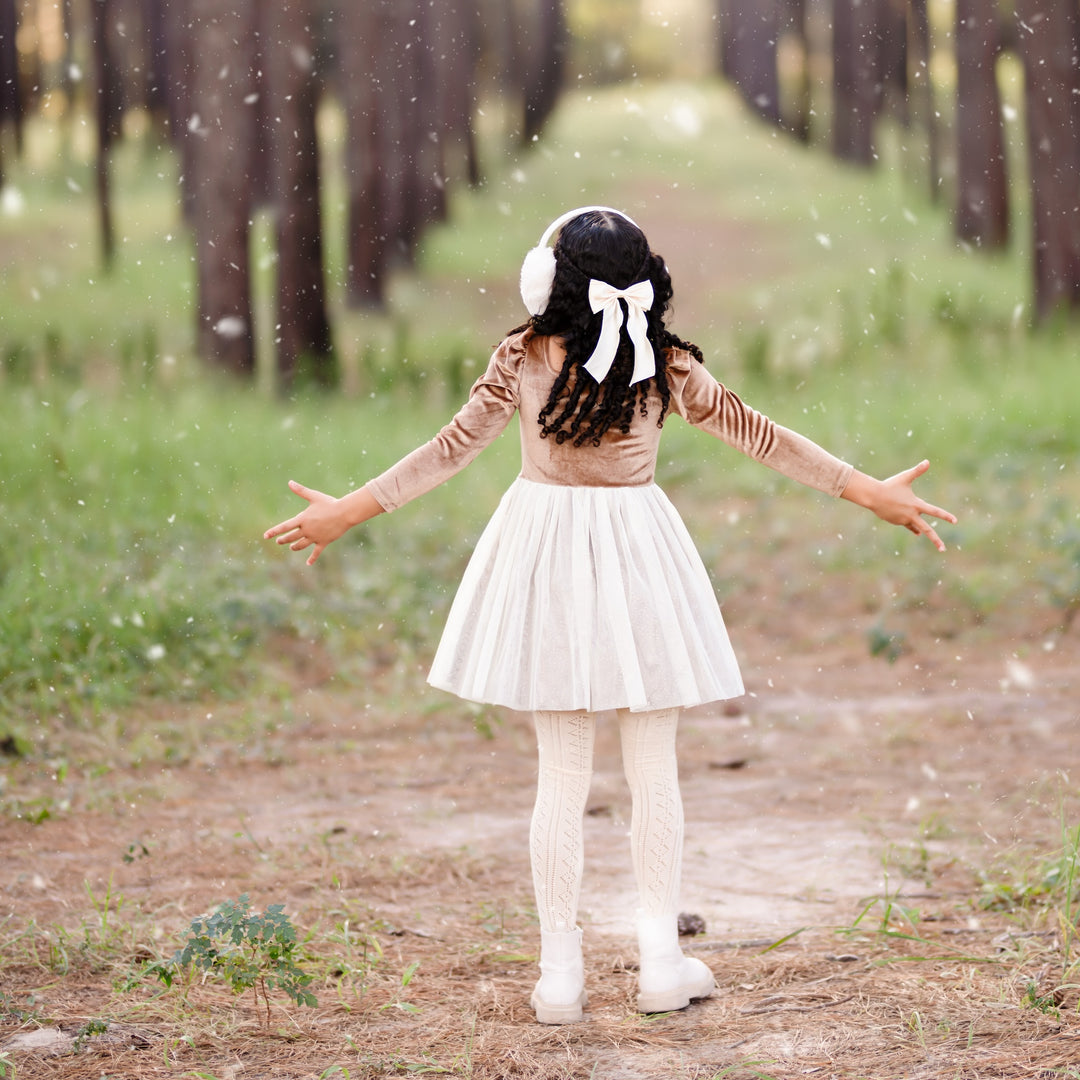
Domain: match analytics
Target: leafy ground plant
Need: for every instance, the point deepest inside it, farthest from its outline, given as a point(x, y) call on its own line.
point(248, 951)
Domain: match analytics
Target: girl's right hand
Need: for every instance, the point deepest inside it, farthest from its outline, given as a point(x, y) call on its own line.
point(323, 520)
point(320, 523)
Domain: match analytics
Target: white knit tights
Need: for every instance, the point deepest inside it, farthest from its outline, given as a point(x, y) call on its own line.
point(565, 743)
point(656, 823)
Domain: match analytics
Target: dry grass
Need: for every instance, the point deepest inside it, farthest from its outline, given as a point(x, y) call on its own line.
point(398, 851)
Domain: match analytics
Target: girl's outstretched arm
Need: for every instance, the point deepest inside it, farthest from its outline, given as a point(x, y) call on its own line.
point(894, 501)
point(324, 518)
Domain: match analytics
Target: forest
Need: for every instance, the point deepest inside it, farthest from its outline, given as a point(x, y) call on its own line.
point(246, 242)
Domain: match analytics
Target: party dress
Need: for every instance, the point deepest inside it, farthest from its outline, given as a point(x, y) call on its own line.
point(585, 590)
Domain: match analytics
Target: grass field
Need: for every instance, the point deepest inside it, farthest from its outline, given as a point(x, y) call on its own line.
point(138, 597)
point(833, 300)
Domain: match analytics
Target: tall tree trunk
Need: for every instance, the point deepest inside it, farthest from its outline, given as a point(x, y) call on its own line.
point(749, 38)
point(362, 47)
point(222, 132)
point(404, 151)
point(157, 72)
point(11, 104)
point(729, 19)
point(106, 114)
point(797, 121)
point(892, 81)
point(855, 78)
point(179, 33)
point(456, 26)
point(1050, 46)
point(923, 84)
point(544, 72)
point(755, 61)
point(428, 128)
point(982, 189)
point(291, 95)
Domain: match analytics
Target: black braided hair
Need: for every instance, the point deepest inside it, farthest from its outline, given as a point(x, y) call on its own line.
point(608, 247)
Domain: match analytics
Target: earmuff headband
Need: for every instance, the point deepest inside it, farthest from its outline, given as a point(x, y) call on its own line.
point(538, 268)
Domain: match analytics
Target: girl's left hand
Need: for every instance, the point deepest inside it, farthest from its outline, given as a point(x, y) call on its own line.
point(320, 523)
point(895, 501)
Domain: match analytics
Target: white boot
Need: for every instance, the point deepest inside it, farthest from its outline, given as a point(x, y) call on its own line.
point(667, 980)
point(560, 992)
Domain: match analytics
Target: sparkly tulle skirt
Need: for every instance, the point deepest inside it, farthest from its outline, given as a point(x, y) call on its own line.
point(587, 598)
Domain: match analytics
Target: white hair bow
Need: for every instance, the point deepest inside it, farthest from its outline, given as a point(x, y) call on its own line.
point(639, 299)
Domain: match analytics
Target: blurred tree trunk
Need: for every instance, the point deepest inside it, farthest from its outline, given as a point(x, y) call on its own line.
point(178, 33)
point(856, 51)
point(982, 188)
point(156, 74)
point(923, 91)
point(418, 138)
point(1050, 47)
point(750, 54)
point(798, 120)
point(11, 105)
point(892, 81)
point(107, 109)
point(221, 130)
point(544, 65)
point(302, 336)
point(457, 29)
point(362, 49)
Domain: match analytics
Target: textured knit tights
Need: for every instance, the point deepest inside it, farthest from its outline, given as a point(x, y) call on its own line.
point(565, 742)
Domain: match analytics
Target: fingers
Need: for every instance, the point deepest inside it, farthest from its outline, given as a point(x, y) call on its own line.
point(930, 533)
point(921, 527)
point(284, 529)
point(936, 511)
point(281, 527)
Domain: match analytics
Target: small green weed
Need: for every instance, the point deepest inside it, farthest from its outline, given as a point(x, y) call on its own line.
point(248, 951)
point(749, 1067)
point(406, 978)
point(87, 1032)
point(1048, 1003)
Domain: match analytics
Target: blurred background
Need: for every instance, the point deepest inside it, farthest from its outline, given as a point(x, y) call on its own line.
point(252, 240)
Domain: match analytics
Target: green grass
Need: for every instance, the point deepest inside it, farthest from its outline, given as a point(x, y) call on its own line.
point(136, 487)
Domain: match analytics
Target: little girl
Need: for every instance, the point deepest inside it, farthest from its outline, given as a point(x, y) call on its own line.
point(585, 592)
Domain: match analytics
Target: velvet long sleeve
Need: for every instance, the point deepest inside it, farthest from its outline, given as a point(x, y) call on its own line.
point(518, 379)
point(492, 402)
point(711, 406)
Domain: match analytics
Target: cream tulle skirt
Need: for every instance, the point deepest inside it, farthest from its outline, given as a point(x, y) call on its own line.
point(586, 598)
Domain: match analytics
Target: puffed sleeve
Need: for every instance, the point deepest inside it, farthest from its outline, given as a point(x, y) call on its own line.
point(492, 402)
point(711, 406)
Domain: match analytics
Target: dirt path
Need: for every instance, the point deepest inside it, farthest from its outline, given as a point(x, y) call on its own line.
point(816, 796)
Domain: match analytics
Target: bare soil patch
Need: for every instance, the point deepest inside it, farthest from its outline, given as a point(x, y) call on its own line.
point(841, 786)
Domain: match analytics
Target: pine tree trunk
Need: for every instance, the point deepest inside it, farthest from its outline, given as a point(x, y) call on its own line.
point(1050, 46)
point(106, 108)
point(302, 335)
point(923, 91)
point(544, 72)
point(982, 189)
point(11, 106)
point(361, 47)
point(855, 78)
point(221, 130)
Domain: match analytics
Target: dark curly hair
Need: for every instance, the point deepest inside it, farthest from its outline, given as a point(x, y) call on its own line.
point(606, 246)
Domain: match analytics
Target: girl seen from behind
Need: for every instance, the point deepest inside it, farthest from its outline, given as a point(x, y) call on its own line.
point(585, 593)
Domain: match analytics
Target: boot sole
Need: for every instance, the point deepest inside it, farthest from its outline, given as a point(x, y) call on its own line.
point(673, 1000)
point(558, 1014)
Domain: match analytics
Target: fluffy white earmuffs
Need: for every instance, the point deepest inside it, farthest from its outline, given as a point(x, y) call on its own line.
point(538, 267)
